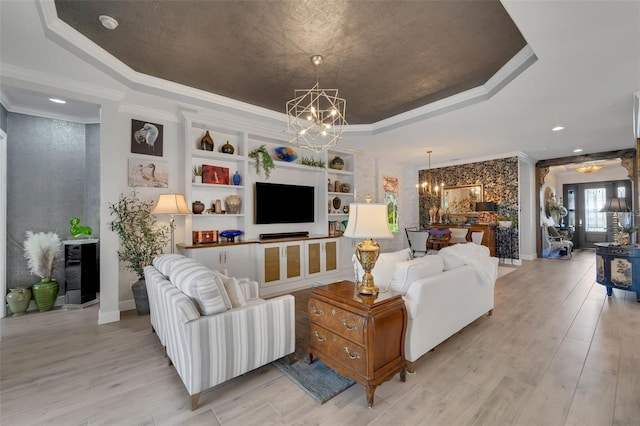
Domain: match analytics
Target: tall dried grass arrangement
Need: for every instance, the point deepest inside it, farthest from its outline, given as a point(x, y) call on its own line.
point(40, 250)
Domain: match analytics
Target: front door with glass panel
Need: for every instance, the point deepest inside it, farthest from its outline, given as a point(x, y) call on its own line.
point(585, 200)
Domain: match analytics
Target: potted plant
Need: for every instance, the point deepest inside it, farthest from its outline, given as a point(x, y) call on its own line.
point(624, 233)
point(41, 250)
point(197, 174)
point(141, 239)
point(262, 156)
point(505, 220)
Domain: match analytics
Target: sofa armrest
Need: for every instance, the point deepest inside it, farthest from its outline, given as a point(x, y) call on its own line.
point(223, 346)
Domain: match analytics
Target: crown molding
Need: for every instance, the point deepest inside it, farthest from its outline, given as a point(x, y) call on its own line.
point(500, 156)
point(151, 113)
point(516, 65)
point(26, 79)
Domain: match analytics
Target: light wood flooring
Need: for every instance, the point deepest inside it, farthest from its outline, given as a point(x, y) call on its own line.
point(557, 351)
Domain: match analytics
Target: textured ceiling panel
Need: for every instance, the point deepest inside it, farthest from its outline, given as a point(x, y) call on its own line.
point(385, 57)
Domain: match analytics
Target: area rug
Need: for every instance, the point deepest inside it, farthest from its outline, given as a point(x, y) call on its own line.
point(319, 381)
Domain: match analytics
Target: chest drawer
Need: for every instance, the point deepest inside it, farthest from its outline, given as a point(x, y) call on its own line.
point(338, 320)
point(346, 353)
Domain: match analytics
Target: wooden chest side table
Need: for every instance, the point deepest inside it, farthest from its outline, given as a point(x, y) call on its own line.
point(360, 337)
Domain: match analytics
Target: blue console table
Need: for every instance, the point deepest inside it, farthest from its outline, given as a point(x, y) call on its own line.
point(618, 267)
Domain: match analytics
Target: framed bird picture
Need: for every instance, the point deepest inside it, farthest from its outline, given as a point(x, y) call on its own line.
point(148, 174)
point(146, 138)
point(215, 174)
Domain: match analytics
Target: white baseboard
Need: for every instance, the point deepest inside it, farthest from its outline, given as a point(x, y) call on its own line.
point(107, 317)
point(127, 305)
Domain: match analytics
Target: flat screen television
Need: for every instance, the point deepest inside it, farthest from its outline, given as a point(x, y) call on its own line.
point(282, 203)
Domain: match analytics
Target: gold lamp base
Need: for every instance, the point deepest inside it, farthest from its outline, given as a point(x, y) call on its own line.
point(367, 253)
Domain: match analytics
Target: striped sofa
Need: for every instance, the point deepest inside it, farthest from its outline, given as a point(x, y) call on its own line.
point(214, 327)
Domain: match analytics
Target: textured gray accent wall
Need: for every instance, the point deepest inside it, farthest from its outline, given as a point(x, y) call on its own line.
point(3, 118)
point(91, 216)
point(46, 185)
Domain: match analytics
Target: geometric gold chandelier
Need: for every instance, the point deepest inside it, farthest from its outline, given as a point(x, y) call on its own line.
point(316, 117)
point(589, 168)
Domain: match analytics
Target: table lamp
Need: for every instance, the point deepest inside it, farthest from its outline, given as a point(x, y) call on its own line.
point(367, 221)
point(171, 204)
point(615, 205)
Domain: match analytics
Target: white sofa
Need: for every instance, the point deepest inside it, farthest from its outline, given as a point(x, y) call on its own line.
point(443, 292)
point(214, 327)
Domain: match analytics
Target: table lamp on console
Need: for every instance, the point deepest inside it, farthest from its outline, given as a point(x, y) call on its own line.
point(614, 206)
point(367, 221)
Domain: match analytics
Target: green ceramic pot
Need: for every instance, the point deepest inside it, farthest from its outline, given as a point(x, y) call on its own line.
point(19, 299)
point(45, 294)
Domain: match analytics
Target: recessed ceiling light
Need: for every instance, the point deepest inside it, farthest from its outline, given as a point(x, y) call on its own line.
point(108, 22)
point(557, 128)
point(58, 101)
point(578, 150)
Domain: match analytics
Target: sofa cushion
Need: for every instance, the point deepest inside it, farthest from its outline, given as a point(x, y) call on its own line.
point(201, 284)
point(383, 270)
point(450, 261)
point(163, 262)
point(232, 287)
point(408, 271)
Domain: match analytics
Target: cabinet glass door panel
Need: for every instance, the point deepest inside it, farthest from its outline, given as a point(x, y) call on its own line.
point(314, 265)
point(271, 264)
point(331, 256)
point(293, 261)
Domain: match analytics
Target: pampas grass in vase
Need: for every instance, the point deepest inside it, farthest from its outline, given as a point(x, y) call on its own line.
point(41, 250)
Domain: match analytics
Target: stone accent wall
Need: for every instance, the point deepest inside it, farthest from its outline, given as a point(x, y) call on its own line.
point(500, 185)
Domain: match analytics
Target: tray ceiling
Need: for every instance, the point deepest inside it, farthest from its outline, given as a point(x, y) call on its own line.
point(385, 57)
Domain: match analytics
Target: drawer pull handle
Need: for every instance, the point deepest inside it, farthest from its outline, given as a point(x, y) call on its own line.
point(348, 327)
point(355, 355)
point(318, 312)
point(319, 337)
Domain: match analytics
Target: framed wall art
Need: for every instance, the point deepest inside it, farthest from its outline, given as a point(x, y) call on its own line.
point(146, 138)
point(390, 185)
point(148, 174)
point(215, 174)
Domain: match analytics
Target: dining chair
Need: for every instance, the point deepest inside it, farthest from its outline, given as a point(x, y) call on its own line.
point(417, 241)
point(458, 235)
point(476, 237)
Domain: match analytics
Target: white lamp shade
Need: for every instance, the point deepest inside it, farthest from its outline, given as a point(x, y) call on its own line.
point(367, 221)
point(171, 204)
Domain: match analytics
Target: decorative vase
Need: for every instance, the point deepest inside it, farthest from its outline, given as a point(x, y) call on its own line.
point(197, 179)
point(624, 238)
point(236, 178)
point(233, 203)
point(197, 207)
point(206, 143)
point(18, 300)
point(337, 202)
point(337, 163)
point(227, 148)
point(45, 293)
point(140, 296)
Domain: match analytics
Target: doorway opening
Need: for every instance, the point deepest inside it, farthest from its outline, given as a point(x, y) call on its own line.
point(570, 201)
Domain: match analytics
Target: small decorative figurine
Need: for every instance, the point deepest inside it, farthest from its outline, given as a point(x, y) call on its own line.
point(78, 230)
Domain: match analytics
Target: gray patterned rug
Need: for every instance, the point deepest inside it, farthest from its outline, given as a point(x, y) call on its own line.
point(319, 381)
